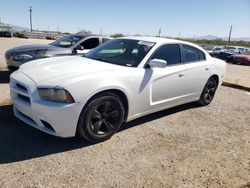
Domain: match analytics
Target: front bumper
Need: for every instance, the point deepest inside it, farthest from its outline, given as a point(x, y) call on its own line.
point(58, 119)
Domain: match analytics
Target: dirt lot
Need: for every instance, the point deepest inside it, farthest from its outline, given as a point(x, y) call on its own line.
point(238, 74)
point(187, 146)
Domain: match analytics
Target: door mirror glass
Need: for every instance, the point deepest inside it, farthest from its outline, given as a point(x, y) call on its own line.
point(158, 63)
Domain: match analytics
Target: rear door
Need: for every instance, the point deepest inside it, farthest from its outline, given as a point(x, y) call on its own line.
point(198, 70)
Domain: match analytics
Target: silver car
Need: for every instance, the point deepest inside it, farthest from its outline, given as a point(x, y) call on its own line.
point(68, 45)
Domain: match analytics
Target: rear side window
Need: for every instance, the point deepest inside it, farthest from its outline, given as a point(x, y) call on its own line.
point(170, 53)
point(191, 54)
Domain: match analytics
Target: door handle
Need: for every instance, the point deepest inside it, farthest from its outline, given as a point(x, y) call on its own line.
point(206, 68)
point(180, 75)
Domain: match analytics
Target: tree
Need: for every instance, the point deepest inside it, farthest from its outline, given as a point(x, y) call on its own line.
point(83, 31)
point(117, 35)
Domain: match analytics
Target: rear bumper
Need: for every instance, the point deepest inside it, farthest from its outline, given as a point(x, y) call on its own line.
point(58, 119)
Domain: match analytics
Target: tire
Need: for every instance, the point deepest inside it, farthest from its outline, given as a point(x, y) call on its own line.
point(101, 118)
point(208, 92)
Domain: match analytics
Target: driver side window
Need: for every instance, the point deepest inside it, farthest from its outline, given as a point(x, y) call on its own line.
point(90, 43)
point(170, 53)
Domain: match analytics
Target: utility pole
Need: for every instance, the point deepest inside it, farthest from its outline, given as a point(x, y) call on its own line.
point(230, 33)
point(159, 32)
point(30, 10)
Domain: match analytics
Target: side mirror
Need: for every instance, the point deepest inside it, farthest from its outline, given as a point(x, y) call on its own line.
point(158, 63)
point(79, 47)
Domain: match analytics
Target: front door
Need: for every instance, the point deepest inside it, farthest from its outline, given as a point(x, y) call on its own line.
point(164, 85)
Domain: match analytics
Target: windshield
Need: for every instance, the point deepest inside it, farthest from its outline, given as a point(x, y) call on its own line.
point(230, 48)
point(217, 49)
point(208, 48)
point(125, 52)
point(67, 41)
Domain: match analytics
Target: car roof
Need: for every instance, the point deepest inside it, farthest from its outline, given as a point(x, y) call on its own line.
point(161, 40)
point(88, 35)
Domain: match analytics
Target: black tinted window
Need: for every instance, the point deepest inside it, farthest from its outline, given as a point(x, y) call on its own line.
point(90, 43)
point(125, 52)
point(191, 54)
point(170, 53)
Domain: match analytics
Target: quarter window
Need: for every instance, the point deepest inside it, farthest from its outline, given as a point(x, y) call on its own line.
point(191, 54)
point(170, 53)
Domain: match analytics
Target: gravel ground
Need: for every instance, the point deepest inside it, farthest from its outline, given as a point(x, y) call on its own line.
point(238, 74)
point(186, 146)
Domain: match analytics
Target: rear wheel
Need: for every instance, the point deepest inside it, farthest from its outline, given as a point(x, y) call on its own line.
point(102, 118)
point(208, 92)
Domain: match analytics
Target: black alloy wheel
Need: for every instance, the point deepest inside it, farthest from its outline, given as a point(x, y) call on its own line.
point(102, 118)
point(208, 92)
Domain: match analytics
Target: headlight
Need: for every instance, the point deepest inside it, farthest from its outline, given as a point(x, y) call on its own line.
point(56, 95)
point(40, 53)
point(23, 57)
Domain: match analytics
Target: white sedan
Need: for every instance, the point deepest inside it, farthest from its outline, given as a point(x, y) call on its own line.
point(117, 82)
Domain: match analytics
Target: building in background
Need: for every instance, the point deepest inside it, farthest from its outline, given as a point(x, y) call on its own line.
point(6, 30)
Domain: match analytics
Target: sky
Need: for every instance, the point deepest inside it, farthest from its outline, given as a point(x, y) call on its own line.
point(176, 18)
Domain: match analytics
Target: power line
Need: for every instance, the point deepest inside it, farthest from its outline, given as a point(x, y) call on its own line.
point(30, 10)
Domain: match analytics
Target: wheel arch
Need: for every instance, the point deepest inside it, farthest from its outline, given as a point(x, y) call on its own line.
point(216, 77)
point(117, 92)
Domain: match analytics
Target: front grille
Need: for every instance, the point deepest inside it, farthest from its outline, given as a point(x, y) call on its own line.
point(21, 87)
point(25, 98)
point(20, 91)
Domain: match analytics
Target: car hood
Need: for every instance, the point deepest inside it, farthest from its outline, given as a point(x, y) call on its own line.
point(57, 70)
point(34, 47)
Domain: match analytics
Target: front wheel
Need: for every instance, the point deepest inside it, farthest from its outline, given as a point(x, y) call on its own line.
point(102, 118)
point(208, 92)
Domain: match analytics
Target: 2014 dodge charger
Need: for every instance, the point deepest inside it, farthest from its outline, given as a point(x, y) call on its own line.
point(119, 81)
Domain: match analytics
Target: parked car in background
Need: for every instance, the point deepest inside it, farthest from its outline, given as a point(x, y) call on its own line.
point(217, 50)
point(213, 50)
point(208, 48)
point(117, 82)
point(229, 51)
point(243, 58)
point(236, 49)
point(20, 35)
point(5, 30)
point(68, 45)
